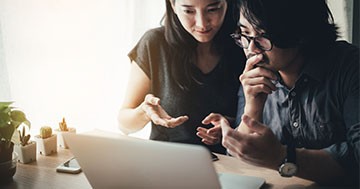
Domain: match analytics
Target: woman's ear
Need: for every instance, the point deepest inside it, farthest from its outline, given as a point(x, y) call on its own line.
point(172, 2)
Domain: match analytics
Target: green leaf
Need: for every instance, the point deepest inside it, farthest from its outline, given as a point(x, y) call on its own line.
point(17, 115)
point(4, 105)
point(4, 119)
point(10, 120)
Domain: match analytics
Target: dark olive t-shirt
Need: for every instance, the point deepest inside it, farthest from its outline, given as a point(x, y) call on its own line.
point(217, 93)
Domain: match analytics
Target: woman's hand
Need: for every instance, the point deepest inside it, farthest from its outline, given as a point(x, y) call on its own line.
point(153, 110)
point(213, 135)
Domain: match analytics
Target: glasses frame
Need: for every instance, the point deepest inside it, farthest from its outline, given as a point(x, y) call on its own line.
point(237, 37)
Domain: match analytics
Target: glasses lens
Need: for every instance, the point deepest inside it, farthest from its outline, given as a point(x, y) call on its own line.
point(238, 39)
point(263, 43)
point(245, 42)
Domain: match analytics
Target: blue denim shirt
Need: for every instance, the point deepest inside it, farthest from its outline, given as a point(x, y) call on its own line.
point(322, 110)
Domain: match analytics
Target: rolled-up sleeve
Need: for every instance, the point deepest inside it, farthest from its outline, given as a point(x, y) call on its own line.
point(347, 153)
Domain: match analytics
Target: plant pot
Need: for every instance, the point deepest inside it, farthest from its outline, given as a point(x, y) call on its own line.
point(46, 146)
point(60, 139)
point(8, 169)
point(26, 153)
point(6, 150)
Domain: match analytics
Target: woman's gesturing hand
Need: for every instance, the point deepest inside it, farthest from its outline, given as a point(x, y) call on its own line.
point(153, 110)
point(213, 135)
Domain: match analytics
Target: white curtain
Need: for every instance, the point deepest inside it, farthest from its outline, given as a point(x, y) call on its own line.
point(342, 11)
point(68, 58)
point(4, 79)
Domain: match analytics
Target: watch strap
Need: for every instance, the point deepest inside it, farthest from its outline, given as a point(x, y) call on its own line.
point(290, 153)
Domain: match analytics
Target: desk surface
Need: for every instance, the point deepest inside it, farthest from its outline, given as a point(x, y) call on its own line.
point(42, 174)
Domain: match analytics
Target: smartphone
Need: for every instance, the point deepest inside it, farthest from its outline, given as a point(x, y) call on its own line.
point(214, 157)
point(69, 166)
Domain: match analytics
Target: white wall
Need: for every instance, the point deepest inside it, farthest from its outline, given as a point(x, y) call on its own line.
point(69, 57)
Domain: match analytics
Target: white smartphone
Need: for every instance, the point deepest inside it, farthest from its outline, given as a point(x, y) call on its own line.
point(69, 166)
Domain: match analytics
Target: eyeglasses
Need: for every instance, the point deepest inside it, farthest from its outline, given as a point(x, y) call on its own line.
point(262, 42)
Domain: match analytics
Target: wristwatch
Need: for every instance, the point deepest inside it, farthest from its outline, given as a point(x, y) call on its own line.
point(288, 167)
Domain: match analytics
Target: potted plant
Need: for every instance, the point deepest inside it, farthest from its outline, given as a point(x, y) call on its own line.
point(63, 128)
point(26, 149)
point(46, 141)
point(10, 119)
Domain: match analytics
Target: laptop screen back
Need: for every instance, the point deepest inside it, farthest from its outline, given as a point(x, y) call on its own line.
point(125, 162)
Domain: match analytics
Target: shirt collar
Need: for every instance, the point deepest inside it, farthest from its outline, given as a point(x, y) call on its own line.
point(314, 68)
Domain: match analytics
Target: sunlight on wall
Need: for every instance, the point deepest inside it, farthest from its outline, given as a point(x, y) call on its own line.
point(69, 58)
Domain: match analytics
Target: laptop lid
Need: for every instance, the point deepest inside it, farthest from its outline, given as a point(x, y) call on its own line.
point(126, 162)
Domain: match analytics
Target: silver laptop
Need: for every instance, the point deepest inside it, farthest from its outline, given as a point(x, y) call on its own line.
point(120, 161)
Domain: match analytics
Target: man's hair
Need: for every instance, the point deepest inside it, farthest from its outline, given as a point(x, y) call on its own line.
point(183, 45)
point(307, 24)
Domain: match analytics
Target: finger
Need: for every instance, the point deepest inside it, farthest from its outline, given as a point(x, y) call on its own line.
point(227, 131)
point(209, 136)
point(252, 61)
point(267, 73)
point(210, 142)
point(151, 99)
point(260, 74)
point(233, 146)
point(260, 81)
point(174, 122)
point(158, 120)
point(225, 128)
point(202, 129)
point(157, 110)
point(207, 139)
point(254, 125)
point(211, 118)
point(256, 89)
point(263, 74)
point(214, 130)
point(207, 142)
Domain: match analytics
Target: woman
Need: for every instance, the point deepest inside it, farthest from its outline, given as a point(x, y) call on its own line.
point(183, 71)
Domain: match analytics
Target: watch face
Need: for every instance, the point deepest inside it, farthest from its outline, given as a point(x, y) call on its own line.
point(287, 169)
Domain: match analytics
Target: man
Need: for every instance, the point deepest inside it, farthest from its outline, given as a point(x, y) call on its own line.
point(299, 102)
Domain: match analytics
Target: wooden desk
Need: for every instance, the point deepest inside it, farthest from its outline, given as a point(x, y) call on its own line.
point(229, 164)
point(42, 174)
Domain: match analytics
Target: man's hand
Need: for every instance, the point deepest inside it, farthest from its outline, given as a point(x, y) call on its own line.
point(213, 135)
point(260, 147)
point(153, 110)
point(256, 83)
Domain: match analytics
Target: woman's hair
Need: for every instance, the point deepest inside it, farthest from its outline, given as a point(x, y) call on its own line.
point(183, 45)
point(307, 24)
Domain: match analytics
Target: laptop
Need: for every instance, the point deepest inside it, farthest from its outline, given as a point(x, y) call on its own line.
point(119, 161)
